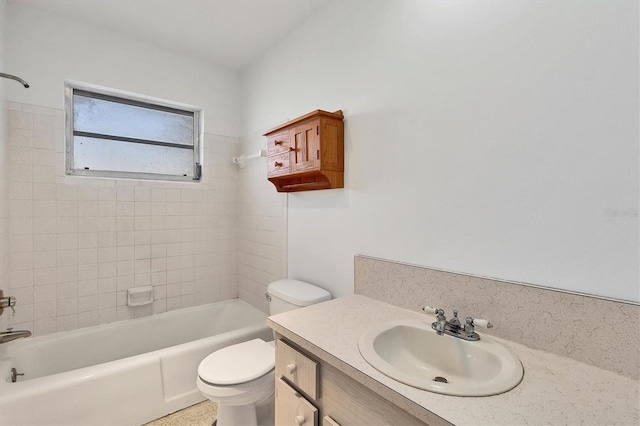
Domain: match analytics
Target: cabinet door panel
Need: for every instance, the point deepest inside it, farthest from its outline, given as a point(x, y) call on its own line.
point(332, 149)
point(305, 149)
point(298, 369)
point(292, 409)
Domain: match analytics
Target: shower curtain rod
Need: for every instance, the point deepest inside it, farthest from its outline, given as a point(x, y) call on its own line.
point(13, 77)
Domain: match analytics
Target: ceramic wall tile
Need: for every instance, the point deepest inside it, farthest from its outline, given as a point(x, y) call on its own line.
point(77, 244)
point(262, 228)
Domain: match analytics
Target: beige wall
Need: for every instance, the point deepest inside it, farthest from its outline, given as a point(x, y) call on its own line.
point(495, 138)
point(46, 49)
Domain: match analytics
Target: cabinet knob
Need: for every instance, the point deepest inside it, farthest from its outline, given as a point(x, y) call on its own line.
point(278, 164)
point(291, 368)
point(277, 142)
point(300, 420)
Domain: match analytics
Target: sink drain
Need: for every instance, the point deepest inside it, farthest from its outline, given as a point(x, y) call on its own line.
point(440, 379)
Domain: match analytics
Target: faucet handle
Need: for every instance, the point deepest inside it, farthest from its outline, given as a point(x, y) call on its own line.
point(479, 322)
point(434, 311)
point(482, 323)
point(429, 310)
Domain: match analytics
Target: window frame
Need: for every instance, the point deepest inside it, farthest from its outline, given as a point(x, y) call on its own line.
point(137, 100)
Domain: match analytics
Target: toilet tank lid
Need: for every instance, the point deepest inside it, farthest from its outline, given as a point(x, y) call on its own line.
point(297, 292)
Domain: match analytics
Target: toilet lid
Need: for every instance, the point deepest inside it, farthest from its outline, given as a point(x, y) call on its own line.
point(238, 363)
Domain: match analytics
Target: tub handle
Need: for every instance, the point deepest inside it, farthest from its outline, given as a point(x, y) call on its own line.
point(291, 368)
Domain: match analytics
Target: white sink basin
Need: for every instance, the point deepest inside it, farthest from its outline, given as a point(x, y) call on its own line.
point(412, 353)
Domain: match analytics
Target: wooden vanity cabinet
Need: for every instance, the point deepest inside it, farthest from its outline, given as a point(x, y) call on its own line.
point(307, 153)
point(308, 390)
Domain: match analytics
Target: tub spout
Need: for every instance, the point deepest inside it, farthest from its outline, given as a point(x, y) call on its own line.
point(9, 335)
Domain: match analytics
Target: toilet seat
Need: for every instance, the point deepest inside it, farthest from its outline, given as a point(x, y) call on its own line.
point(243, 393)
point(237, 364)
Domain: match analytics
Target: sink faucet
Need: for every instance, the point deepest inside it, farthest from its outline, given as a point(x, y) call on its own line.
point(9, 335)
point(454, 327)
point(440, 326)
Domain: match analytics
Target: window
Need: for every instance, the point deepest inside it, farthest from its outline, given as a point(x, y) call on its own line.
point(110, 133)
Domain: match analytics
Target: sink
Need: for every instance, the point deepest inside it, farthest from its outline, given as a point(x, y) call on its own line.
point(412, 353)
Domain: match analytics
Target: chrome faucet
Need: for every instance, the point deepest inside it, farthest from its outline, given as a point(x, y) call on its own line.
point(9, 335)
point(454, 327)
point(440, 325)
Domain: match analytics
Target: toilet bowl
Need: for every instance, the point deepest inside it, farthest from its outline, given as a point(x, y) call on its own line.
point(241, 378)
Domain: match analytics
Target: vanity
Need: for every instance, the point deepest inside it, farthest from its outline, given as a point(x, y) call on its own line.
point(310, 391)
point(322, 378)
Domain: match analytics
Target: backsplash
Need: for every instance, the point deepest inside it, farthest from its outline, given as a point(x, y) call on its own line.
point(592, 330)
point(77, 244)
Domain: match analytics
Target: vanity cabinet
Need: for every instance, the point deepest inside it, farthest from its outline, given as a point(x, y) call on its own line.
point(308, 390)
point(307, 153)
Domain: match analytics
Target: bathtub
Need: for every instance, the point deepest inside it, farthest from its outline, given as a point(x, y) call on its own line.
point(123, 373)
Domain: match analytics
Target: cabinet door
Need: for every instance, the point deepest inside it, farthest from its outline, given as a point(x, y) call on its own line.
point(299, 370)
point(305, 147)
point(292, 409)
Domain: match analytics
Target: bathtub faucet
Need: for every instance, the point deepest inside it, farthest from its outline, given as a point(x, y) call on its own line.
point(9, 335)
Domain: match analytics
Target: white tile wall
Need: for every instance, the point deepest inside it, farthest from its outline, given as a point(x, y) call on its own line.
point(77, 244)
point(262, 228)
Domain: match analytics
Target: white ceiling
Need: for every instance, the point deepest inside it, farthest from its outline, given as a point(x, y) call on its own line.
point(228, 32)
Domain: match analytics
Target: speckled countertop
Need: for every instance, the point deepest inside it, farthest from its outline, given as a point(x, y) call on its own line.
point(555, 390)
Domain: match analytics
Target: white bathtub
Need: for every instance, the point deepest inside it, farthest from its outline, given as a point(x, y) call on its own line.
point(123, 373)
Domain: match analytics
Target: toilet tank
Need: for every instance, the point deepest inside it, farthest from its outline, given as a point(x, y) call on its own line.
point(286, 295)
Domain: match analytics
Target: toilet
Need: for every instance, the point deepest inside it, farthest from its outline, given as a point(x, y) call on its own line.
point(241, 378)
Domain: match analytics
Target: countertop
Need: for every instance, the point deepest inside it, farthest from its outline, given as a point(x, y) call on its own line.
point(554, 390)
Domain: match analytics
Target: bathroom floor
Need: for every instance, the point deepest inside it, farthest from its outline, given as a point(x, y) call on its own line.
point(202, 414)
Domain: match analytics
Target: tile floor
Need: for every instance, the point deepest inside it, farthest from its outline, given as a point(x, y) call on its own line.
point(202, 414)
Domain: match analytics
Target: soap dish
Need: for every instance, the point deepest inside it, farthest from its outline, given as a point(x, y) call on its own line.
point(139, 296)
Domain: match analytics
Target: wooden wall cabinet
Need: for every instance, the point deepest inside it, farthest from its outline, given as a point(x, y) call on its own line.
point(307, 153)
